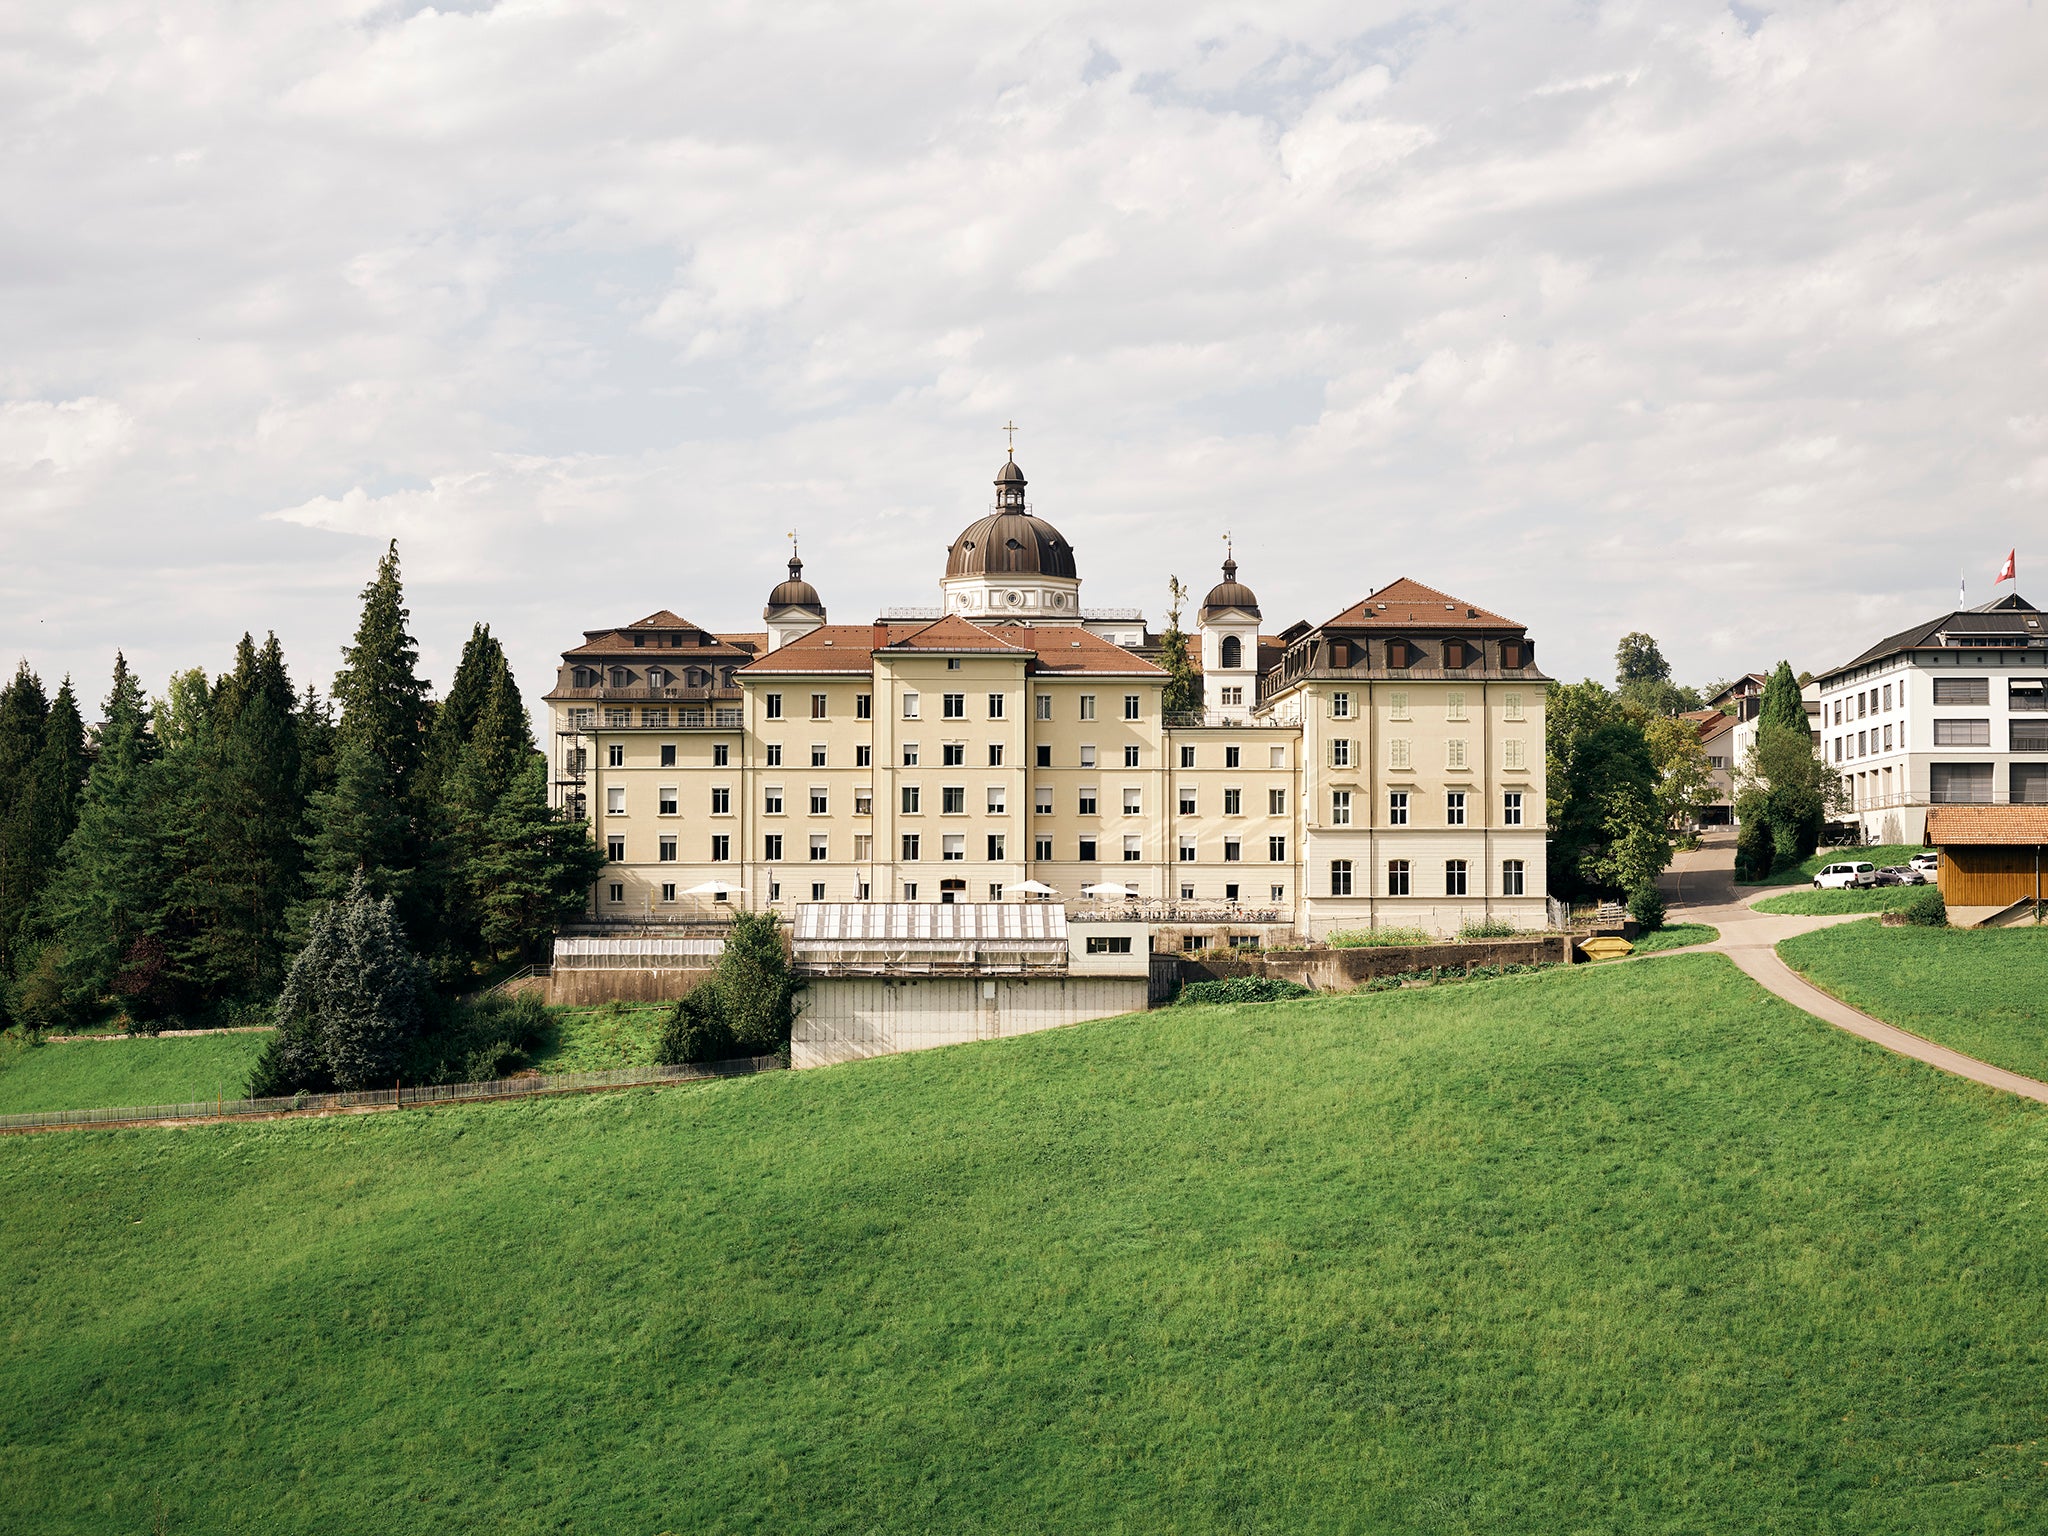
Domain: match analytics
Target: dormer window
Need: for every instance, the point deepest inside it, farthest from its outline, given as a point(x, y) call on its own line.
point(639, 641)
point(621, 677)
point(657, 677)
point(1340, 653)
point(1402, 653)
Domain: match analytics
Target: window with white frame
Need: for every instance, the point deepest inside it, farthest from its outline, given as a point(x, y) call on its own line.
point(1087, 706)
point(615, 756)
point(1340, 752)
point(910, 706)
point(1131, 703)
point(1512, 707)
point(1454, 877)
point(995, 706)
point(1397, 752)
point(817, 754)
point(771, 705)
point(771, 847)
point(863, 706)
point(1276, 802)
point(1134, 848)
point(1084, 802)
point(1233, 802)
point(954, 847)
point(1340, 807)
point(1187, 756)
point(1233, 850)
point(1397, 878)
point(721, 801)
point(912, 844)
point(615, 849)
point(1041, 848)
point(1512, 879)
point(1454, 706)
point(1340, 877)
point(1132, 803)
point(953, 706)
point(721, 847)
point(615, 801)
point(1042, 800)
point(863, 846)
point(863, 802)
point(1187, 800)
point(1276, 850)
point(1233, 696)
point(995, 754)
point(820, 800)
point(1087, 757)
point(1187, 850)
point(1130, 757)
point(1454, 808)
point(665, 800)
point(818, 845)
point(668, 891)
point(771, 800)
point(1045, 706)
point(1397, 807)
point(665, 849)
point(998, 800)
point(1397, 706)
point(997, 842)
point(953, 800)
point(774, 750)
point(1511, 754)
point(1454, 753)
point(913, 800)
point(1340, 705)
point(1276, 757)
point(1511, 808)
point(818, 706)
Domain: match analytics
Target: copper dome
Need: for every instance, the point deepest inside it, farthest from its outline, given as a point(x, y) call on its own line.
point(794, 593)
point(1010, 544)
point(1230, 593)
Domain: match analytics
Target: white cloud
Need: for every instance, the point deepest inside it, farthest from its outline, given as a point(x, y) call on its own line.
point(1610, 317)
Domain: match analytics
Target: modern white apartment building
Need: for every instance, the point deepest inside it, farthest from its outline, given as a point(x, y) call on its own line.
point(1950, 712)
point(1382, 768)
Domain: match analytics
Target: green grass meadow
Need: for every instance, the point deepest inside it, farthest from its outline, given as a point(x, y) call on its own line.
point(1812, 903)
point(1881, 855)
point(112, 1074)
point(1982, 990)
point(1617, 1250)
point(1676, 936)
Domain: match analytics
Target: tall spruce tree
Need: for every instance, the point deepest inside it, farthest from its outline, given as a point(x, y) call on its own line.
point(106, 908)
point(359, 827)
point(241, 801)
point(382, 696)
point(24, 866)
point(455, 717)
point(1781, 704)
point(532, 868)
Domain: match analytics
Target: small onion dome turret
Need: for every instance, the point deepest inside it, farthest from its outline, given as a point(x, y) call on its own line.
point(1229, 593)
point(794, 593)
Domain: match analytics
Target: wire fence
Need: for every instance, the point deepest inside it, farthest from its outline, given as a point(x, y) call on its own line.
point(395, 1097)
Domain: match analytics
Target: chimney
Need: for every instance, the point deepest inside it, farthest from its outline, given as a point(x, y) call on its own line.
point(881, 635)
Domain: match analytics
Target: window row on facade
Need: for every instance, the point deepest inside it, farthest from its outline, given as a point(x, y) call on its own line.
point(1404, 876)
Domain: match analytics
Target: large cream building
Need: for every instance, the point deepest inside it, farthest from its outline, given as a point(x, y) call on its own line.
point(1383, 768)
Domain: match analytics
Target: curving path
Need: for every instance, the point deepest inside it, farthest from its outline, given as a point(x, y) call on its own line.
point(1700, 887)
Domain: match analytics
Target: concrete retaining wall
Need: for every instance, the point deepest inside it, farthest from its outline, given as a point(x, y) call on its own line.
point(848, 1018)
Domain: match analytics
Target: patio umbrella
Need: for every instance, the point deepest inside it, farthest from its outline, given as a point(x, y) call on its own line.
point(1035, 887)
point(713, 888)
point(1106, 890)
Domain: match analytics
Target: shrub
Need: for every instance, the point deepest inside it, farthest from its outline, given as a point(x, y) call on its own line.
point(696, 1029)
point(1243, 989)
point(1925, 908)
point(1646, 906)
point(756, 987)
point(1374, 938)
point(1488, 928)
point(1755, 851)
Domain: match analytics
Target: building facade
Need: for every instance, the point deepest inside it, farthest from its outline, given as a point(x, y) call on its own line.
point(1383, 768)
point(1950, 712)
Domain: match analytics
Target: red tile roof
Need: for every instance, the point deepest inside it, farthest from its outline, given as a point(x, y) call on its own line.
point(1406, 604)
point(829, 648)
point(1987, 826)
point(952, 633)
point(1068, 649)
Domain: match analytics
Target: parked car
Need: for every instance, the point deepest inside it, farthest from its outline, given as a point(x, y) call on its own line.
point(1837, 877)
point(1900, 874)
point(1928, 863)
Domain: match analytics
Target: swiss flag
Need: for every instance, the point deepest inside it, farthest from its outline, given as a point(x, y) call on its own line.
point(2005, 572)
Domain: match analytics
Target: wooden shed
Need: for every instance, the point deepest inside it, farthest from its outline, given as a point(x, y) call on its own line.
point(1991, 855)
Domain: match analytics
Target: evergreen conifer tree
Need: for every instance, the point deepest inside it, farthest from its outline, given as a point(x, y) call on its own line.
point(1781, 704)
point(352, 1000)
point(24, 861)
point(382, 697)
point(756, 987)
point(532, 869)
point(105, 909)
point(455, 717)
point(359, 828)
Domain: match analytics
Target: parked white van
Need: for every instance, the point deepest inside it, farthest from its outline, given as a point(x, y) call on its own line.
point(1838, 877)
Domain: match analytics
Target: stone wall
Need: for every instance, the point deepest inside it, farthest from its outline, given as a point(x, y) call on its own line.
point(587, 988)
point(1342, 970)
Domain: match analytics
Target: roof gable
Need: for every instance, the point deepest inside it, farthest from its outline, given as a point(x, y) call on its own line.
point(1408, 604)
point(952, 633)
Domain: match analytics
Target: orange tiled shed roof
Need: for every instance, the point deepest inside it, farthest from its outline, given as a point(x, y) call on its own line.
point(1964, 826)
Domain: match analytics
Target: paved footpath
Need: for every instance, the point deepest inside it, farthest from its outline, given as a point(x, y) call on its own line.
point(1700, 887)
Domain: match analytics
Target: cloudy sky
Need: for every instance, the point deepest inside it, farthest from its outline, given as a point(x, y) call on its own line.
point(1723, 322)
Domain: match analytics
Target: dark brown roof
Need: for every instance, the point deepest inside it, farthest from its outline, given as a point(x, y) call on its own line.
point(2010, 620)
point(1230, 593)
point(1010, 544)
point(1406, 604)
point(1954, 826)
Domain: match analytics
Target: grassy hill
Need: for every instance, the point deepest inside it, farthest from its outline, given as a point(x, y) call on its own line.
point(111, 1074)
point(1620, 1250)
point(1981, 990)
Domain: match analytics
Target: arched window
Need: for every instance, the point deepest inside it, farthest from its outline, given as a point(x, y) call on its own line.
point(1233, 652)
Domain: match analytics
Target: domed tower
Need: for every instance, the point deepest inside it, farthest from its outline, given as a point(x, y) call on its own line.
point(1229, 624)
point(1012, 564)
point(794, 608)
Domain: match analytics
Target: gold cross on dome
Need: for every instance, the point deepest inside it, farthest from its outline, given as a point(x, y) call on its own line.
point(1011, 428)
